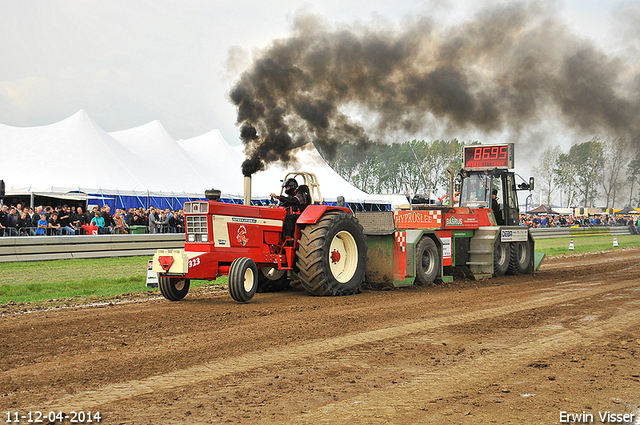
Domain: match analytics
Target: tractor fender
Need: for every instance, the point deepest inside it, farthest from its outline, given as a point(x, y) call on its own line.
point(312, 213)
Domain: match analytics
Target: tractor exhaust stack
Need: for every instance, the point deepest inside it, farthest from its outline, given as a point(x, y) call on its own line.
point(247, 190)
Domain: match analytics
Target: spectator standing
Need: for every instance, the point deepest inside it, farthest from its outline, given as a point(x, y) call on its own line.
point(93, 213)
point(25, 227)
point(48, 210)
point(35, 215)
point(163, 223)
point(129, 216)
point(135, 219)
point(180, 222)
point(78, 220)
point(42, 225)
point(108, 218)
point(54, 224)
point(64, 218)
point(81, 218)
point(71, 211)
point(153, 221)
point(4, 212)
point(98, 221)
point(12, 221)
point(145, 215)
point(119, 223)
point(176, 223)
point(168, 213)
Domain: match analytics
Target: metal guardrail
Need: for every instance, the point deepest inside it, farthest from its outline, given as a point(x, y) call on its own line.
point(569, 232)
point(36, 248)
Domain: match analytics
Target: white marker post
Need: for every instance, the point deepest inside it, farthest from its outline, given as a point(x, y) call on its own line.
point(152, 277)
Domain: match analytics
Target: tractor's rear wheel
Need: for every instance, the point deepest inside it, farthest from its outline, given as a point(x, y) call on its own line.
point(427, 261)
point(243, 279)
point(173, 288)
point(520, 257)
point(271, 279)
point(332, 256)
point(501, 257)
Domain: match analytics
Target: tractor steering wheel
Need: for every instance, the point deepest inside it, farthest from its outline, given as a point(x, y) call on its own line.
point(276, 202)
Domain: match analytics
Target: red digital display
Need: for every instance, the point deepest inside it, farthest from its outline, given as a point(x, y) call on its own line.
point(488, 156)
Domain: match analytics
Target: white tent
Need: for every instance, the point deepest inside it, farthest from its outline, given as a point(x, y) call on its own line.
point(74, 154)
point(145, 164)
point(220, 162)
point(166, 167)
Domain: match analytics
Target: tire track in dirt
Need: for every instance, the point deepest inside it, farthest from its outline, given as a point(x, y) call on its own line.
point(404, 402)
point(215, 370)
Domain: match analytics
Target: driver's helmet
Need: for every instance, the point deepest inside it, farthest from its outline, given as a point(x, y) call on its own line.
point(290, 186)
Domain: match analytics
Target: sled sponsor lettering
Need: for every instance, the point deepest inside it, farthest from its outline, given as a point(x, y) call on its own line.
point(418, 219)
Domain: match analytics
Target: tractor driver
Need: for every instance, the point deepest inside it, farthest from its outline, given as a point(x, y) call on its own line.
point(296, 201)
point(495, 207)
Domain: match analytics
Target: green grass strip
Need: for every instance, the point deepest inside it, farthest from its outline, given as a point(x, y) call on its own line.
point(558, 246)
point(39, 281)
point(97, 279)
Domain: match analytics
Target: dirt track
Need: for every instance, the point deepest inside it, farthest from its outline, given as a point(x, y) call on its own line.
point(507, 350)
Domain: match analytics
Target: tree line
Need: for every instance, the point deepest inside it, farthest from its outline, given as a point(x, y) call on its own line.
point(599, 170)
point(603, 171)
point(415, 167)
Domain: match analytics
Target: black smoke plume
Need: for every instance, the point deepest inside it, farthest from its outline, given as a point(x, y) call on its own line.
point(511, 67)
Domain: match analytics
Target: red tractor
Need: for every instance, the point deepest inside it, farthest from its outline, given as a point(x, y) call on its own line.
point(332, 250)
point(328, 253)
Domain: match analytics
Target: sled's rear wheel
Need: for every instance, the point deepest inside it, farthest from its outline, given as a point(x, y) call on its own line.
point(427, 261)
point(501, 257)
point(520, 257)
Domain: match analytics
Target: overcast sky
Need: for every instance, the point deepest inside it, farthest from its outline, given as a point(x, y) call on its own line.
point(130, 62)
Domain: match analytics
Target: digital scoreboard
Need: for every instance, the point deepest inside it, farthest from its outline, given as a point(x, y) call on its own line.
point(485, 157)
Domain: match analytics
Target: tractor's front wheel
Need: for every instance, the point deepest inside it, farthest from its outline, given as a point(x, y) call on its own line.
point(173, 288)
point(332, 256)
point(243, 279)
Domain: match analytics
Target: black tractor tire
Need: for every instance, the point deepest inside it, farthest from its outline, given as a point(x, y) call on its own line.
point(332, 256)
point(427, 261)
point(520, 257)
point(243, 279)
point(173, 288)
point(501, 257)
point(272, 280)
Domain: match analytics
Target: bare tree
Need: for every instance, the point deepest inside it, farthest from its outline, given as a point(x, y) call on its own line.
point(547, 172)
point(567, 177)
point(589, 159)
point(435, 158)
point(616, 158)
point(633, 177)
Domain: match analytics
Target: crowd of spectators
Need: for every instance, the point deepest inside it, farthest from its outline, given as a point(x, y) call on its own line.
point(535, 221)
point(19, 220)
